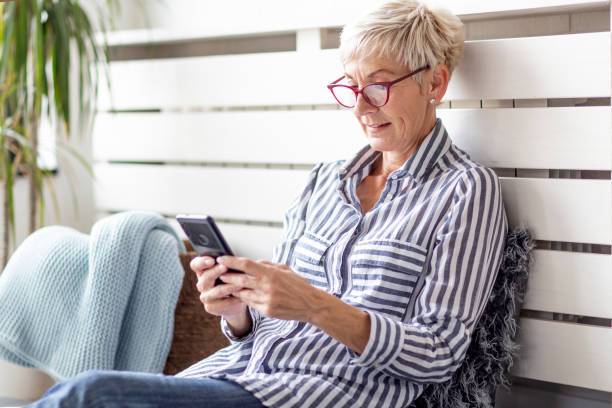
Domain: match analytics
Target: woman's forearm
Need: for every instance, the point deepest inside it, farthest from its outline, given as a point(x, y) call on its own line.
point(345, 323)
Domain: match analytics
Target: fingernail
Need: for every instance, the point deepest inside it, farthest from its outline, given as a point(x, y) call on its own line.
point(220, 259)
point(208, 261)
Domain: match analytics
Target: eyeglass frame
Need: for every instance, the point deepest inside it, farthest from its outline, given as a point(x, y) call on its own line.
point(360, 91)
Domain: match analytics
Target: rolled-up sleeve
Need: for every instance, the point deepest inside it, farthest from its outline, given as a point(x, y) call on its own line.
point(255, 318)
point(455, 286)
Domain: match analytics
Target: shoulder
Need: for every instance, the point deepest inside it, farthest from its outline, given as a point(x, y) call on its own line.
point(467, 174)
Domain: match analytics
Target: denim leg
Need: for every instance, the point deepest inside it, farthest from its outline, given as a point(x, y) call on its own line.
point(110, 389)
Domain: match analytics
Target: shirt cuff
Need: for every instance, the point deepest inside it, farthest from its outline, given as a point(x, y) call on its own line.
point(255, 318)
point(384, 344)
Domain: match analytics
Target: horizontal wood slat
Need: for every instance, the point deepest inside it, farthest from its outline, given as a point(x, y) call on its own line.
point(193, 19)
point(560, 209)
point(298, 137)
point(533, 138)
point(539, 138)
point(565, 353)
point(569, 282)
point(520, 68)
point(553, 209)
point(235, 193)
point(230, 80)
point(529, 68)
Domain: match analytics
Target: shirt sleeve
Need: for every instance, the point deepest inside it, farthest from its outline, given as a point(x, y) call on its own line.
point(293, 228)
point(457, 282)
point(295, 220)
point(256, 319)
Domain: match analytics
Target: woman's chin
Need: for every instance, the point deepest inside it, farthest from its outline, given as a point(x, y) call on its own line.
point(380, 144)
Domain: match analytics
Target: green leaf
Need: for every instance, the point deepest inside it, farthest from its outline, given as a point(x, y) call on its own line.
point(70, 173)
point(38, 55)
point(84, 162)
point(35, 61)
point(7, 37)
point(21, 41)
point(48, 178)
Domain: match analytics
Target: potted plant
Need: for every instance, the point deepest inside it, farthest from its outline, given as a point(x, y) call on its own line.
point(39, 41)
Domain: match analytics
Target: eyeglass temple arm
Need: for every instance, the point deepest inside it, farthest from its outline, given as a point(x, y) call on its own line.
point(390, 83)
point(338, 80)
point(408, 76)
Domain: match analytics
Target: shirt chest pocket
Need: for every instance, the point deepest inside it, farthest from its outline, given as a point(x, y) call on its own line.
point(384, 274)
point(309, 259)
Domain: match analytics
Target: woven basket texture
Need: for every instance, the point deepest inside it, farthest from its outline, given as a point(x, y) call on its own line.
point(197, 333)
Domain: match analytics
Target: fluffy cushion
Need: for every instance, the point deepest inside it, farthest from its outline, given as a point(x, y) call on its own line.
point(490, 354)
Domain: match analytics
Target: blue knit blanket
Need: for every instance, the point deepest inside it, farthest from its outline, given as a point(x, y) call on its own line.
point(70, 302)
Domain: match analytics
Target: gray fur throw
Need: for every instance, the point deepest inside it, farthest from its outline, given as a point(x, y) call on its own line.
point(490, 354)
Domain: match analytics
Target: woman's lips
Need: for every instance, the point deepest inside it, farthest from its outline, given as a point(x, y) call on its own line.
point(378, 127)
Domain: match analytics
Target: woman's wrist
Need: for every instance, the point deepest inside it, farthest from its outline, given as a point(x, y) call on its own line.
point(240, 324)
point(345, 323)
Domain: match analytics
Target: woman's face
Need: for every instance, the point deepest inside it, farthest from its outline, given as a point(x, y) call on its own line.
point(401, 124)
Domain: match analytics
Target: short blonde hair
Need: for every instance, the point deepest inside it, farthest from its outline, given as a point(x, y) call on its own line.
point(407, 31)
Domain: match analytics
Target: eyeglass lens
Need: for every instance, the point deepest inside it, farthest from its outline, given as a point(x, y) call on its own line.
point(374, 94)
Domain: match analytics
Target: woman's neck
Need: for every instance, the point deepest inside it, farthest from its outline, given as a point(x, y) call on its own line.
point(388, 162)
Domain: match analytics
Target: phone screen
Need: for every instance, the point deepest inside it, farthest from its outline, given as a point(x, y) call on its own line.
point(205, 236)
point(204, 239)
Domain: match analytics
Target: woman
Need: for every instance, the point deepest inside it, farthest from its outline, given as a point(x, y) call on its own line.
point(387, 261)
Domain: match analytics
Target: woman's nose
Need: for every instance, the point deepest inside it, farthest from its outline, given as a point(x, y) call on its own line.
point(362, 107)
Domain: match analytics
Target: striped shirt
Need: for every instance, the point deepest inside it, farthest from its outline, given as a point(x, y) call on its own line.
point(421, 263)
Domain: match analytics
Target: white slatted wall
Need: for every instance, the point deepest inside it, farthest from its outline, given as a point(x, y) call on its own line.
point(219, 134)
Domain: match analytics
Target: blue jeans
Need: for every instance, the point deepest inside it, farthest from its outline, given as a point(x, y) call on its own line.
point(97, 389)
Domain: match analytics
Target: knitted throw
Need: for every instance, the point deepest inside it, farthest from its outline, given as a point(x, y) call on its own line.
point(71, 302)
point(492, 349)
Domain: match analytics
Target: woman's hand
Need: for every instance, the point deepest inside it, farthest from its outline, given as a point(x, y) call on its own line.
point(276, 291)
point(218, 300)
point(272, 288)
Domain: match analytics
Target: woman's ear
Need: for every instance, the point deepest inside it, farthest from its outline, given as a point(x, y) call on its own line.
point(439, 82)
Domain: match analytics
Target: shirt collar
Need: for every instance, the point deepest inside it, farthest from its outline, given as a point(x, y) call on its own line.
point(434, 146)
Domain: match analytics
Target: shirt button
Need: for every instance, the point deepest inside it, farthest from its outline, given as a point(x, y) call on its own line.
point(389, 197)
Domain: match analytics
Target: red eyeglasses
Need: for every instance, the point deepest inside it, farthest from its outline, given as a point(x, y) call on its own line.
point(376, 93)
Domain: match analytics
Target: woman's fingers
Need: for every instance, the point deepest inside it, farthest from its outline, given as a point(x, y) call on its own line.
point(251, 297)
point(224, 306)
point(206, 279)
point(239, 279)
point(243, 264)
point(218, 292)
point(199, 264)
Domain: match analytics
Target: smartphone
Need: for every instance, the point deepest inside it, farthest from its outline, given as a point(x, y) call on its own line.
point(205, 237)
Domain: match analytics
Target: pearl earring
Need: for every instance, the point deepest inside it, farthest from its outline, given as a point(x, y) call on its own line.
point(432, 100)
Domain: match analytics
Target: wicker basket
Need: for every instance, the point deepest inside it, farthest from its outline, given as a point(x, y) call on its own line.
point(197, 334)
